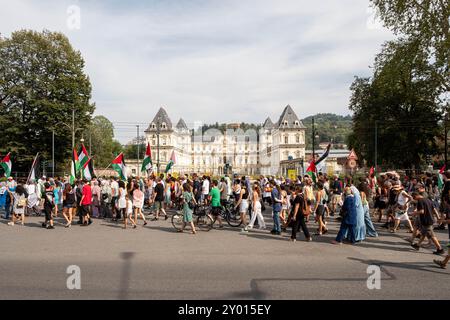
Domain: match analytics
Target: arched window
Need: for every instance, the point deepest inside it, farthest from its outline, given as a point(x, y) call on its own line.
point(153, 126)
point(296, 123)
point(163, 125)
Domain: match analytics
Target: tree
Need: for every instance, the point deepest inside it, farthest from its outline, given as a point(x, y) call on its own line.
point(329, 127)
point(425, 22)
point(41, 81)
point(104, 147)
point(130, 150)
point(403, 100)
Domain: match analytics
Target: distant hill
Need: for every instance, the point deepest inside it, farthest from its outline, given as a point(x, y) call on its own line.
point(329, 127)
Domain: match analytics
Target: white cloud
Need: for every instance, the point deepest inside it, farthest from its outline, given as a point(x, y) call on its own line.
point(212, 60)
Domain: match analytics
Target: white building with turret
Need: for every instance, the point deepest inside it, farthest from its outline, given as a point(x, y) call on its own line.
point(210, 152)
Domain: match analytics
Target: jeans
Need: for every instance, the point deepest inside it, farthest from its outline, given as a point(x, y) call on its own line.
point(276, 221)
point(8, 211)
point(370, 229)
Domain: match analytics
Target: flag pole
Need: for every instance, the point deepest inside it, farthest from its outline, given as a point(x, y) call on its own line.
point(106, 168)
point(32, 166)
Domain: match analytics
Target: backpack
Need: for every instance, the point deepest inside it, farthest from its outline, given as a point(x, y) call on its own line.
point(191, 203)
point(22, 202)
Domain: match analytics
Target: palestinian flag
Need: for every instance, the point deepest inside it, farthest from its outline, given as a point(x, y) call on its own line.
point(83, 156)
point(147, 163)
point(311, 171)
point(6, 164)
point(118, 165)
point(88, 170)
point(74, 167)
point(323, 156)
point(441, 178)
point(171, 163)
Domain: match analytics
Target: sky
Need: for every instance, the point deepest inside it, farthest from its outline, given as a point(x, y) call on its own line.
point(211, 61)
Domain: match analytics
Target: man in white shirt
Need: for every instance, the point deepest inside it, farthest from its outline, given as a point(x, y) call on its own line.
point(205, 189)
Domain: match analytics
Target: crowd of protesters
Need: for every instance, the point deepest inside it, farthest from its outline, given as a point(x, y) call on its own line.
point(420, 203)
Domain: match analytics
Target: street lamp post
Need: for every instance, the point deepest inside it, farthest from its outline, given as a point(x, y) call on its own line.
point(158, 131)
point(445, 140)
point(138, 149)
point(53, 152)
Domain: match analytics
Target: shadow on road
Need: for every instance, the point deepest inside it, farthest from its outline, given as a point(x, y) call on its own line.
point(125, 275)
point(421, 266)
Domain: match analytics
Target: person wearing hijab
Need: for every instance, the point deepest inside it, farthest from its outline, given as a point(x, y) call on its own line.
point(348, 222)
point(359, 229)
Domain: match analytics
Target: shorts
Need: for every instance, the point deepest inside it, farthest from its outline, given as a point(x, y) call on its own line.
point(244, 206)
point(158, 205)
point(427, 231)
point(335, 198)
point(85, 210)
point(69, 206)
point(320, 212)
point(401, 215)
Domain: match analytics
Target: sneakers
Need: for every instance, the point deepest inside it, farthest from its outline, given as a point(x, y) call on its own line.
point(440, 264)
point(50, 227)
point(44, 225)
point(439, 252)
point(10, 223)
point(244, 229)
point(415, 246)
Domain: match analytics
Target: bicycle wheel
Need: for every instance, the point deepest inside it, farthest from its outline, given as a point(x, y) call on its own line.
point(177, 221)
point(204, 223)
point(234, 218)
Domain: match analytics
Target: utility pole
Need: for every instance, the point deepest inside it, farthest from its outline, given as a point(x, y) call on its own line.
point(445, 141)
point(376, 145)
point(53, 152)
point(90, 141)
point(73, 129)
point(157, 142)
point(138, 149)
point(313, 141)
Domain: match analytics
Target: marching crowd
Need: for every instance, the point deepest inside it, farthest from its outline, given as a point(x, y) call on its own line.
point(418, 202)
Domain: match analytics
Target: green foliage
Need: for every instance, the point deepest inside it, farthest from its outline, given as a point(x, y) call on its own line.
point(103, 144)
point(41, 82)
point(403, 98)
point(131, 149)
point(425, 22)
point(329, 127)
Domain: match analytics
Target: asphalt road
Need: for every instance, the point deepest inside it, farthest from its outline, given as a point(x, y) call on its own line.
point(155, 262)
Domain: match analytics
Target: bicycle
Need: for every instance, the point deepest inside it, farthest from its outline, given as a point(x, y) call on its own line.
point(203, 222)
point(230, 215)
